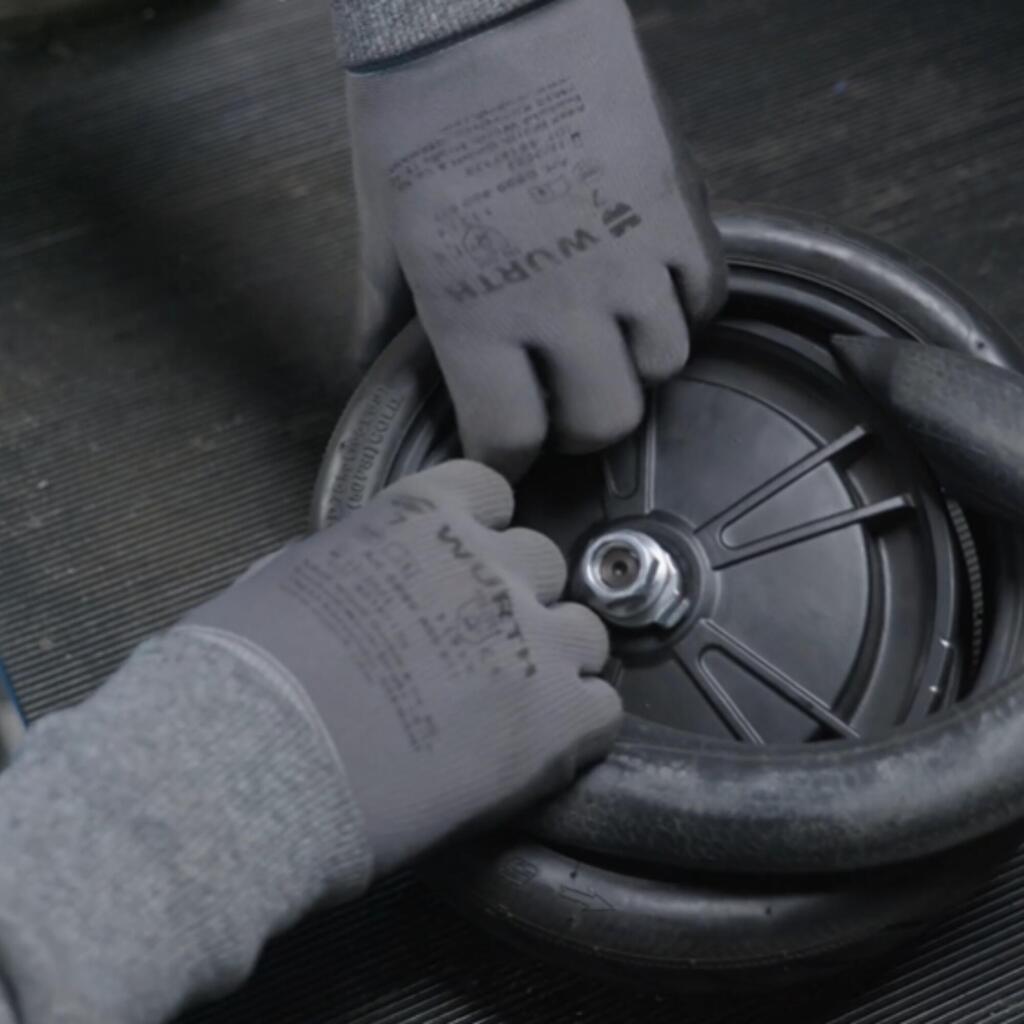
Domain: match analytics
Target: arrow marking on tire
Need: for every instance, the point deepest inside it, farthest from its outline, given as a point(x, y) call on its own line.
point(585, 898)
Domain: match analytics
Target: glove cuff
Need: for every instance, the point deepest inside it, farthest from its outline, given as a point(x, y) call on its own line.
point(187, 812)
point(373, 35)
point(354, 869)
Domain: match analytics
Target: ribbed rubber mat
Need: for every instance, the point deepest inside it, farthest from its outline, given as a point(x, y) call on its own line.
point(176, 231)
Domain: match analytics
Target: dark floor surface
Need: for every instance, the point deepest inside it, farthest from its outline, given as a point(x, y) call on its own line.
point(176, 233)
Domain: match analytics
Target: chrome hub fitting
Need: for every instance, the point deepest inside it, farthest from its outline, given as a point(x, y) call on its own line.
point(630, 580)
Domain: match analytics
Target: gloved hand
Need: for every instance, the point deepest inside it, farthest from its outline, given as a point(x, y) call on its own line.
point(426, 637)
point(522, 184)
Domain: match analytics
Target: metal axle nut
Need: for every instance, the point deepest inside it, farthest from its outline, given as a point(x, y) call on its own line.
point(630, 580)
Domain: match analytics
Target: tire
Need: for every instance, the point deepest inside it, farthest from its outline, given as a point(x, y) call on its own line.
point(705, 933)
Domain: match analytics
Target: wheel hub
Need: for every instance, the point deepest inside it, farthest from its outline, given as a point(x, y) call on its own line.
point(630, 580)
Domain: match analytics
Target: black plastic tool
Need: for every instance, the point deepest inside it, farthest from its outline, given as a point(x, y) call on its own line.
point(965, 417)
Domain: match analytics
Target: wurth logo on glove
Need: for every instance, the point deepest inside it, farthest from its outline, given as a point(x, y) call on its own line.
point(618, 220)
point(487, 622)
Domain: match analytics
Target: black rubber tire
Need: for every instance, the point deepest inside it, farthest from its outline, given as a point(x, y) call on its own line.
point(704, 933)
point(714, 933)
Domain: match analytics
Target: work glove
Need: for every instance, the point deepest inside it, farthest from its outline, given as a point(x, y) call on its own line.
point(521, 183)
point(428, 639)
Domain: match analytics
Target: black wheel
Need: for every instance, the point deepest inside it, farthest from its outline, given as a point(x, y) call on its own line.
point(837, 603)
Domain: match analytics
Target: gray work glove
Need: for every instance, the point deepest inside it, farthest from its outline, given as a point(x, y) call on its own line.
point(425, 635)
point(522, 184)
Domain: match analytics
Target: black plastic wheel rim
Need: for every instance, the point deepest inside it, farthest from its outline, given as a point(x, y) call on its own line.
point(824, 567)
point(820, 561)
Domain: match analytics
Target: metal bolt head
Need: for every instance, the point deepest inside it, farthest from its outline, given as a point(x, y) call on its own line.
point(630, 580)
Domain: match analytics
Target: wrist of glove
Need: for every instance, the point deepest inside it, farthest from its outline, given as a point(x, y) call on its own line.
point(522, 185)
point(426, 634)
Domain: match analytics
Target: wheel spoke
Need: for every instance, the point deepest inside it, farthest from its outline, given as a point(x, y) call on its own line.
point(727, 710)
point(709, 636)
point(846, 444)
point(722, 555)
point(629, 469)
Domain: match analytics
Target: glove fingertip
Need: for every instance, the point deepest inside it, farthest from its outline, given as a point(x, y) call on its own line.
point(499, 405)
point(582, 633)
point(603, 720)
point(485, 493)
point(702, 282)
point(537, 560)
point(660, 340)
point(511, 458)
